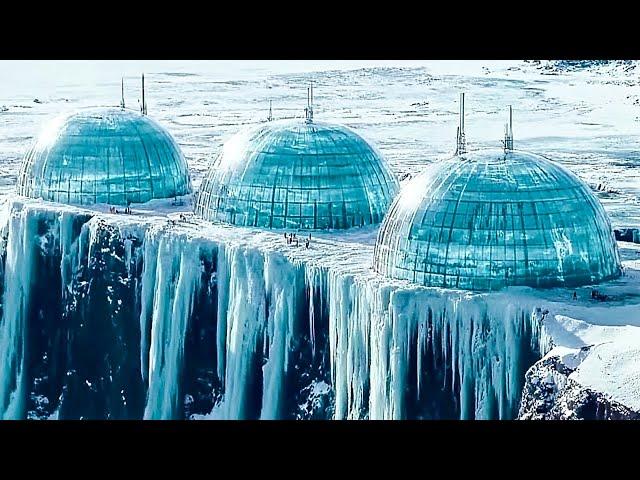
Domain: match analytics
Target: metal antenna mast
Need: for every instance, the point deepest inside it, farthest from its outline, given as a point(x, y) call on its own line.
point(508, 133)
point(308, 112)
point(461, 146)
point(122, 94)
point(270, 117)
point(143, 107)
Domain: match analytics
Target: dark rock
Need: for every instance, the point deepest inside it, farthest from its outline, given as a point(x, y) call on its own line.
point(549, 394)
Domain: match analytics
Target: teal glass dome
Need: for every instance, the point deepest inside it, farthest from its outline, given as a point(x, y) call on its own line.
point(297, 175)
point(490, 219)
point(106, 155)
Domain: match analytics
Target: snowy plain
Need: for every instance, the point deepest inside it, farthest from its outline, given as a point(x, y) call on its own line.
point(585, 117)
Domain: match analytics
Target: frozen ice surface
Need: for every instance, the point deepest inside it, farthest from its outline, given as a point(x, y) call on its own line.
point(113, 156)
point(488, 219)
point(296, 174)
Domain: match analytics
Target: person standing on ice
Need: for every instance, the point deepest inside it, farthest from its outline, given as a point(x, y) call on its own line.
point(575, 295)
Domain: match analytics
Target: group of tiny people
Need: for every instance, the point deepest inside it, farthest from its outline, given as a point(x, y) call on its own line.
point(127, 209)
point(292, 238)
point(182, 218)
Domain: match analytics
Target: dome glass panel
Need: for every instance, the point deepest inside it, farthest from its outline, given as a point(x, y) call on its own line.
point(296, 174)
point(490, 219)
point(111, 155)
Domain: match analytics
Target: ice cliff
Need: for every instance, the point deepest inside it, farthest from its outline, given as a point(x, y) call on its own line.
point(114, 316)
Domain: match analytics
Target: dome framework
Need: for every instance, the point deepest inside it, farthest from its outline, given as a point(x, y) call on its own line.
point(489, 219)
point(105, 155)
point(297, 175)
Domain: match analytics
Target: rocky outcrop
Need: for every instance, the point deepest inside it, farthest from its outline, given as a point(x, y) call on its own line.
point(549, 394)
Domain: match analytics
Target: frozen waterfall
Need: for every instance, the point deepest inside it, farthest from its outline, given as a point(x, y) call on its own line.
point(107, 316)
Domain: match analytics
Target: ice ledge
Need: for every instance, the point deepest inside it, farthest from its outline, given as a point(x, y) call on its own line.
point(609, 329)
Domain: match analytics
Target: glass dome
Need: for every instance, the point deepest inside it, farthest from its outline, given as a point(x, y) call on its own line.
point(107, 155)
point(297, 174)
point(489, 219)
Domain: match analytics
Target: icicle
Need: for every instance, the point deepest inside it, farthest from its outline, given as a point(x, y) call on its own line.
point(222, 276)
point(338, 334)
point(18, 276)
point(245, 322)
point(314, 282)
point(147, 300)
point(178, 274)
point(349, 333)
point(70, 248)
point(284, 286)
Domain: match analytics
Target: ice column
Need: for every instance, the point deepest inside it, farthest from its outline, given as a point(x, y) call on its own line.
point(13, 329)
point(177, 275)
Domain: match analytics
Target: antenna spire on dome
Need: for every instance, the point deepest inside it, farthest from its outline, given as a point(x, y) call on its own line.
point(143, 107)
point(508, 133)
point(270, 117)
point(461, 146)
point(122, 94)
point(308, 112)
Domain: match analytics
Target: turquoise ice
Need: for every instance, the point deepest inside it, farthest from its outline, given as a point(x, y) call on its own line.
point(488, 219)
point(297, 174)
point(106, 155)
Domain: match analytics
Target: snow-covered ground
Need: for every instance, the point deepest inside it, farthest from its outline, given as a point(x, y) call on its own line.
point(584, 117)
point(610, 329)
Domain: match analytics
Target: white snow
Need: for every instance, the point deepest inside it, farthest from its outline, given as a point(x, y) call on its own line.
point(586, 119)
point(611, 330)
